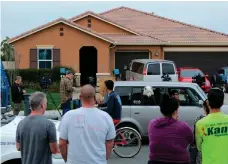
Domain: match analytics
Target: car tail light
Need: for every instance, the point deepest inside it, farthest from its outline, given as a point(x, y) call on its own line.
point(144, 71)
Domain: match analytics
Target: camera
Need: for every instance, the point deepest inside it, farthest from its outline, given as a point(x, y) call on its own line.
point(45, 82)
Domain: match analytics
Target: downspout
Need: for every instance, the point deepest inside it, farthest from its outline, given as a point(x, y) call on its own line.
point(111, 47)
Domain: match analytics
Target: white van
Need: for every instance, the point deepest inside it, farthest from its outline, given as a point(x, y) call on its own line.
point(151, 70)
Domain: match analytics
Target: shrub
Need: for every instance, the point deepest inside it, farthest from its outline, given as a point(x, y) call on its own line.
point(31, 77)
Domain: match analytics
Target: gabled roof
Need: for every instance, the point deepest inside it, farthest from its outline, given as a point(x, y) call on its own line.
point(90, 13)
point(174, 32)
point(66, 22)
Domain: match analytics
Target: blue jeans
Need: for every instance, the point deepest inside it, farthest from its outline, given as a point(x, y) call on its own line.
point(66, 106)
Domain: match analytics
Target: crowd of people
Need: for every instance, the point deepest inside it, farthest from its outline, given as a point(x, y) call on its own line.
point(174, 142)
point(87, 133)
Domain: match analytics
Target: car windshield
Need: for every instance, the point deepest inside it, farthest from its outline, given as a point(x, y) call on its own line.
point(202, 92)
point(191, 73)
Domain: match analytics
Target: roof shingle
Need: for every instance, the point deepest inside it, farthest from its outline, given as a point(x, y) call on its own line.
point(133, 39)
point(163, 28)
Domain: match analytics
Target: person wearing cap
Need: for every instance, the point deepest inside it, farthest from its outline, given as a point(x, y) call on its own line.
point(86, 134)
point(66, 91)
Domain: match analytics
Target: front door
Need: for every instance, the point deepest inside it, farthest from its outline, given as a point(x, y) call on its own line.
point(88, 65)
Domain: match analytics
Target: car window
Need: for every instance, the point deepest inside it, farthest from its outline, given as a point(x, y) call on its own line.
point(139, 99)
point(153, 69)
point(137, 67)
point(124, 92)
point(168, 68)
point(226, 71)
point(187, 96)
point(191, 73)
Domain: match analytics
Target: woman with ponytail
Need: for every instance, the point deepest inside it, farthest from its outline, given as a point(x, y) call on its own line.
point(168, 136)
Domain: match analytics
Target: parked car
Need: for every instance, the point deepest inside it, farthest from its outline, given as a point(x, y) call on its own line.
point(138, 109)
point(9, 153)
point(188, 74)
point(5, 91)
point(151, 70)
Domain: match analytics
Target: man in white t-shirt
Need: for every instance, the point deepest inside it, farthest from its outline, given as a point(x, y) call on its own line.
point(86, 134)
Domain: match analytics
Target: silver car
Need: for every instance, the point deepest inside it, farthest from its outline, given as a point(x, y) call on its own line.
point(138, 109)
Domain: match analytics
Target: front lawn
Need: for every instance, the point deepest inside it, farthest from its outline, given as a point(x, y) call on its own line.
point(51, 106)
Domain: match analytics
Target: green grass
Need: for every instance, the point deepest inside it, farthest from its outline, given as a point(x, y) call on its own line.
point(51, 106)
point(54, 95)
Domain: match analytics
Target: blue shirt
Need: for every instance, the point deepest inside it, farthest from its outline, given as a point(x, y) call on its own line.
point(113, 106)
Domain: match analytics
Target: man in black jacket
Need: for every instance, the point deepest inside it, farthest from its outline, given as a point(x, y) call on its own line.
point(17, 94)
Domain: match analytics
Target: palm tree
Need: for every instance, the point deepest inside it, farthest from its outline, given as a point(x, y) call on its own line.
point(7, 51)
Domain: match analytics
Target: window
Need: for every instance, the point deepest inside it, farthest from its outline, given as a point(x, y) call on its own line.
point(45, 58)
point(124, 93)
point(191, 73)
point(187, 96)
point(138, 99)
point(137, 67)
point(168, 68)
point(89, 23)
point(226, 71)
point(153, 69)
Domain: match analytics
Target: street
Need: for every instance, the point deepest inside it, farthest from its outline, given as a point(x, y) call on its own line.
point(142, 157)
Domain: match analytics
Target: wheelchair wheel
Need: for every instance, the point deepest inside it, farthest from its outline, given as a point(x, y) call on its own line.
point(128, 142)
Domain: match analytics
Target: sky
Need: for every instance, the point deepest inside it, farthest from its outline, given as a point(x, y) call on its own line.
point(18, 17)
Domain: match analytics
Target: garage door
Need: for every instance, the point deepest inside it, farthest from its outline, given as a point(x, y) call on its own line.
point(123, 58)
point(208, 62)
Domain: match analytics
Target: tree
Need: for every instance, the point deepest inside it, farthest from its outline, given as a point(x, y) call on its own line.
point(7, 51)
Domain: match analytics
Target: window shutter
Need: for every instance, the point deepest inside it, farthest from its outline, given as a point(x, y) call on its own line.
point(56, 57)
point(33, 58)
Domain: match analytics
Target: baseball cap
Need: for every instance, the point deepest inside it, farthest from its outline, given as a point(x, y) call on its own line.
point(68, 72)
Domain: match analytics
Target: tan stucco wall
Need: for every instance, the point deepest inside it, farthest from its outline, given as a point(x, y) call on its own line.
point(69, 45)
point(100, 26)
point(151, 49)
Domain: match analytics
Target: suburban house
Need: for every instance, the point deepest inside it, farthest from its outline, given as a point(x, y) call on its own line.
point(94, 44)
